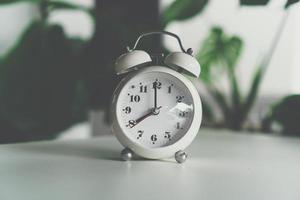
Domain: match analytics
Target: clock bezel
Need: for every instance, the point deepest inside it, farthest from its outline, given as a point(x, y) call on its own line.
point(165, 151)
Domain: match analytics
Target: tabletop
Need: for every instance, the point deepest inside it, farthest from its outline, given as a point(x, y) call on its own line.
point(221, 165)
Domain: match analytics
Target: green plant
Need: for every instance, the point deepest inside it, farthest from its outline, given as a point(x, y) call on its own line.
point(219, 53)
point(40, 79)
point(49, 81)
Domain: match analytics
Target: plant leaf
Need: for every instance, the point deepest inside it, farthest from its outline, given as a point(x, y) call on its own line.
point(64, 5)
point(52, 5)
point(221, 100)
point(18, 1)
point(235, 92)
point(182, 10)
point(289, 3)
point(39, 82)
point(218, 49)
point(232, 50)
point(253, 92)
point(254, 2)
point(208, 55)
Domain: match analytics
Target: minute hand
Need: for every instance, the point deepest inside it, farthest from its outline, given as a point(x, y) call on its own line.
point(155, 94)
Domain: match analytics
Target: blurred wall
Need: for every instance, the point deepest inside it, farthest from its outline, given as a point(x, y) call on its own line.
point(14, 19)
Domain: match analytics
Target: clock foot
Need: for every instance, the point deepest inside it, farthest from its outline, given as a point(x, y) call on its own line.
point(180, 156)
point(126, 154)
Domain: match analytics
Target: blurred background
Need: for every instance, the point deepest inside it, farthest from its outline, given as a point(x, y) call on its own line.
point(57, 57)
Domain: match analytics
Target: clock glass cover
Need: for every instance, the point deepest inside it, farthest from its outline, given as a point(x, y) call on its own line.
point(155, 109)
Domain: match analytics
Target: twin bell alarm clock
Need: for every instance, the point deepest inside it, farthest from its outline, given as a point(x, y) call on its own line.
point(156, 110)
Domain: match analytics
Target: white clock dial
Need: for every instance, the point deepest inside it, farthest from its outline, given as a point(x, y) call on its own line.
point(155, 109)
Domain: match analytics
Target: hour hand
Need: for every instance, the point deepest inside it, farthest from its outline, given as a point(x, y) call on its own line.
point(133, 123)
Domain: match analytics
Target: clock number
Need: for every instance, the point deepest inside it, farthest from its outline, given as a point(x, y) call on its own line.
point(157, 84)
point(140, 134)
point(131, 123)
point(179, 98)
point(178, 126)
point(143, 89)
point(135, 98)
point(170, 89)
point(167, 135)
point(127, 109)
point(183, 113)
point(153, 138)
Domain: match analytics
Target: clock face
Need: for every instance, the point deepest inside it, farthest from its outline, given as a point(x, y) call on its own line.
point(155, 109)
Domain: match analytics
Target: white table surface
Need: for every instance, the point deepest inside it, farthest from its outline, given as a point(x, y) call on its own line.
point(221, 166)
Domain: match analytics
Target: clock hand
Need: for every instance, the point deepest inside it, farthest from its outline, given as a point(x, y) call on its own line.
point(154, 111)
point(155, 94)
point(143, 117)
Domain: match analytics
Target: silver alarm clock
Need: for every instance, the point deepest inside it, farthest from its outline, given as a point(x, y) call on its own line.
point(156, 110)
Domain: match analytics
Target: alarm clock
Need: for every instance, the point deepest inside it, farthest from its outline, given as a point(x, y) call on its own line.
point(156, 109)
